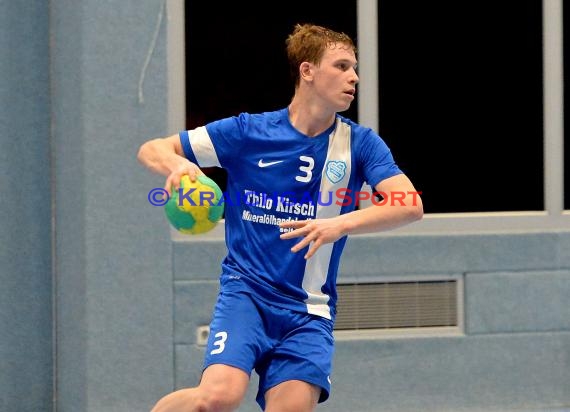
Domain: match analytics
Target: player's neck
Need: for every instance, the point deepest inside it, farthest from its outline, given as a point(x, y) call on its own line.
point(311, 120)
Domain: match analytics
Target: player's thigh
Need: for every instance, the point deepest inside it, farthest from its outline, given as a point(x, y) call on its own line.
point(292, 396)
point(303, 360)
point(237, 336)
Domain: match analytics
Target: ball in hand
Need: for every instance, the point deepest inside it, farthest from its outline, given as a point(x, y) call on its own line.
point(196, 207)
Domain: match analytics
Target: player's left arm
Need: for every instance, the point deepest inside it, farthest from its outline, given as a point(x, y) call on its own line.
point(402, 205)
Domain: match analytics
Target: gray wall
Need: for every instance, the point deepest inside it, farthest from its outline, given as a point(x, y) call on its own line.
point(127, 298)
point(514, 353)
point(114, 350)
point(25, 217)
point(71, 123)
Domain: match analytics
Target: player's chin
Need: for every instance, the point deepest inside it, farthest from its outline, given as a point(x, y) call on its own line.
point(345, 102)
point(343, 107)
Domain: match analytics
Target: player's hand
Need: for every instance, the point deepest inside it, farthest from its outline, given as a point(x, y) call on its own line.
point(315, 233)
point(185, 168)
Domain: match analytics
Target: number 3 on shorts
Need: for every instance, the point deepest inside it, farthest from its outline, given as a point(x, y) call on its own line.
point(219, 342)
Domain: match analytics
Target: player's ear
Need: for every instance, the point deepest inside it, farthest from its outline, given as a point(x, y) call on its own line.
point(306, 71)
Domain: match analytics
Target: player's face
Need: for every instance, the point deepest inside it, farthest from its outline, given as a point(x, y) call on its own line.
point(335, 78)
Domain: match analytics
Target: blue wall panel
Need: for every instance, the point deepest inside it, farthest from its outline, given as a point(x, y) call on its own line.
point(484, 373)
point(514, 355)
point(517, 302)
point(451, 254)
point(113, 255)
point(129, 297)
point(194, 303)
point(26, 321)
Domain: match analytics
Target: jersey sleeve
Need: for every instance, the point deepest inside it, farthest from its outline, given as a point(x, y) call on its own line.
point(377, 161)
point(215, 144)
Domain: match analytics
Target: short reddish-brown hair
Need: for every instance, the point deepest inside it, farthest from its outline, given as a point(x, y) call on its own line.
point(308, 42)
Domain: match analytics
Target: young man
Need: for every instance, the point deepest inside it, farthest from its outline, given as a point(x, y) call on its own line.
point(293, 179)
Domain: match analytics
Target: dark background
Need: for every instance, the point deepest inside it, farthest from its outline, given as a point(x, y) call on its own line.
point(460, 88)
point(461, 101)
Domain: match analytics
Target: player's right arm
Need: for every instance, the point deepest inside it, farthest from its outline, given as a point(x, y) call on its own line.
point(166, 157)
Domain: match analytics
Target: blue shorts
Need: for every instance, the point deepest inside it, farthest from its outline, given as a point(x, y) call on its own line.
point(280, 344)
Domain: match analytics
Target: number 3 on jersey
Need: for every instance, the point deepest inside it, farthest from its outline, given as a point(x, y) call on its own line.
point(306, 169)
point(220, 342)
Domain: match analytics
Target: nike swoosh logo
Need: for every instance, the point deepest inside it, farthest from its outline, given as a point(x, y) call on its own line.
point(261, 163)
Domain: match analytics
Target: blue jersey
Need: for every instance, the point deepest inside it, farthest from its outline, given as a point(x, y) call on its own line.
point(276, 174)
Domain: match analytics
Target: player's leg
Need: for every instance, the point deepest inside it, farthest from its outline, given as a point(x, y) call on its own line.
point(292, 396)
point(221, 389)
point(230, 354)
point(297, 375)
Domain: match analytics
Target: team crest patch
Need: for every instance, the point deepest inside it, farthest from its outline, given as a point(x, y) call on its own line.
point(335, 170)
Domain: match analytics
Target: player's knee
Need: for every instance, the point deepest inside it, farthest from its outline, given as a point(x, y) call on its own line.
point(292, 396)
point(291, 405)
point(218, 401)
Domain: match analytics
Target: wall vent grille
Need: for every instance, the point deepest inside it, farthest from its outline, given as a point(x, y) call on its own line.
point(390, 305)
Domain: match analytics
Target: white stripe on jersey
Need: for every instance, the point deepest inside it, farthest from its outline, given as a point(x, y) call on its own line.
point(203, 148)
point(317, 266)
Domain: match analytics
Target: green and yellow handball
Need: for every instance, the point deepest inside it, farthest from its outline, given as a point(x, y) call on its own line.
point(196, 207)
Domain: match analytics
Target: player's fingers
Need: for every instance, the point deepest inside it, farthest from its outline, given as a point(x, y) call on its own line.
point(193, 172)
point(300, 229)
point(173, 181)
point(192, 175)
point(168, 185)
point(293, 224)
point(291, 235)
point(313, 249)
point(309, 236)
point(302, 244)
